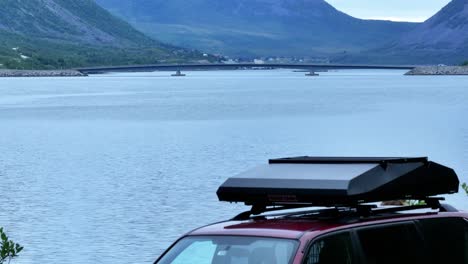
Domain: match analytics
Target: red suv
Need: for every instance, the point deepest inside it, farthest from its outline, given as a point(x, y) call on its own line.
point(309, 210)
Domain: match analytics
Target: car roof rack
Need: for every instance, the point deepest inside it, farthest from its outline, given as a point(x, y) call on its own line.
point(362, 210)
point(338, 182)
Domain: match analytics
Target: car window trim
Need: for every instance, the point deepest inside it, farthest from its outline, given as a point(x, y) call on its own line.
point(356, 254)
point(357, 246)
point(420, 231)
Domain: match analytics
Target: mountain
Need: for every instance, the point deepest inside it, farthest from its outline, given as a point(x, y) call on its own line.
point(445, 35)
point(442, 39)
point(82, 21)
point(70, 33)
point(448, 29)
point(256, 27)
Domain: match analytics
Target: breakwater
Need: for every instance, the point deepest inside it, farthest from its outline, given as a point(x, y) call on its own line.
point(439, 70)
point(40, 73)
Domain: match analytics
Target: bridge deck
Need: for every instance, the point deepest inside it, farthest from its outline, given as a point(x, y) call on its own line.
point(222, 66)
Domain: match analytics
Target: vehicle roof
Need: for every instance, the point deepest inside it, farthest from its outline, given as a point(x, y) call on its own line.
point(295, 228)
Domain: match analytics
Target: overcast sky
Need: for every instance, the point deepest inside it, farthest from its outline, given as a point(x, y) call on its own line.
point(397, 10)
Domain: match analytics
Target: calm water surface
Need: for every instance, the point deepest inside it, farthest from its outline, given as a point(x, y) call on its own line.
point(113, 168)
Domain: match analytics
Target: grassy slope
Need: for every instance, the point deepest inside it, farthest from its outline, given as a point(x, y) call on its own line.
point(64, 45)
point(44, 54)
point(100, 18)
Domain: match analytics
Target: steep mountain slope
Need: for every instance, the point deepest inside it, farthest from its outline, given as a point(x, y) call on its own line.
point(441, 39)
point(83, 21)
point(62, 33)
point(256, 27)
point(448, 29)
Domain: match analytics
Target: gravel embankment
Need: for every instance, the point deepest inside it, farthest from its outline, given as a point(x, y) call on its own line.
point(439, 70)
point(38, 73)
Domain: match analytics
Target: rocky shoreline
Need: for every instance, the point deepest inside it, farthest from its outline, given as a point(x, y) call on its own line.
point(40, 73)
point(439, 70)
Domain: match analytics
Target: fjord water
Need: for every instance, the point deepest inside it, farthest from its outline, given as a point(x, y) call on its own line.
point(113, 168)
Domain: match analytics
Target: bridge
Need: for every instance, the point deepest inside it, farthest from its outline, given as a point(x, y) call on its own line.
point(221, 66)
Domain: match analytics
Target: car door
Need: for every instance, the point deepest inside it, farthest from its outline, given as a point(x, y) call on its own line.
point(433, 241)
point(396, 243)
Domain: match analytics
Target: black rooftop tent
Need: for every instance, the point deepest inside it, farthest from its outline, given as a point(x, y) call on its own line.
point(322, 181)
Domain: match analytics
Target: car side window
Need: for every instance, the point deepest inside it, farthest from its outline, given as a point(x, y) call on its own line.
point(391, 244)
point(333, 249)
point(446, 240)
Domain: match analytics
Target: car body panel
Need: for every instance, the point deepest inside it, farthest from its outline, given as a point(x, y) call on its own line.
point(288, 228)
point(277, 228)
point(307, 230)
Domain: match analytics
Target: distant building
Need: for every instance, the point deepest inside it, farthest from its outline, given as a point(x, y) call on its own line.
point(229, 61)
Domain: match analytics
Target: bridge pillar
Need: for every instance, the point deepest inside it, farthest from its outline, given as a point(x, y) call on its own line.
point(312, 73)
point(177, 74)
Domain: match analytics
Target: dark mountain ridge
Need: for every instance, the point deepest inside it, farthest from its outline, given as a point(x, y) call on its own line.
point(442, 39)
point(83, 21)
point(256, 27)
point(448, 29)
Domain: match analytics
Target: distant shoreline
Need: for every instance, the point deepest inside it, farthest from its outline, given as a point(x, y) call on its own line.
point(439, 70)
point(41, 73)
point(418, 71)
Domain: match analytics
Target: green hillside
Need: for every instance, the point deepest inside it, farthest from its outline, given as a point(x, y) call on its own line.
point(18, 52)
point(47, 34)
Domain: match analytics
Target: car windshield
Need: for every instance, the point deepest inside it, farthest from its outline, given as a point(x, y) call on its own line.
point(230, 249)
